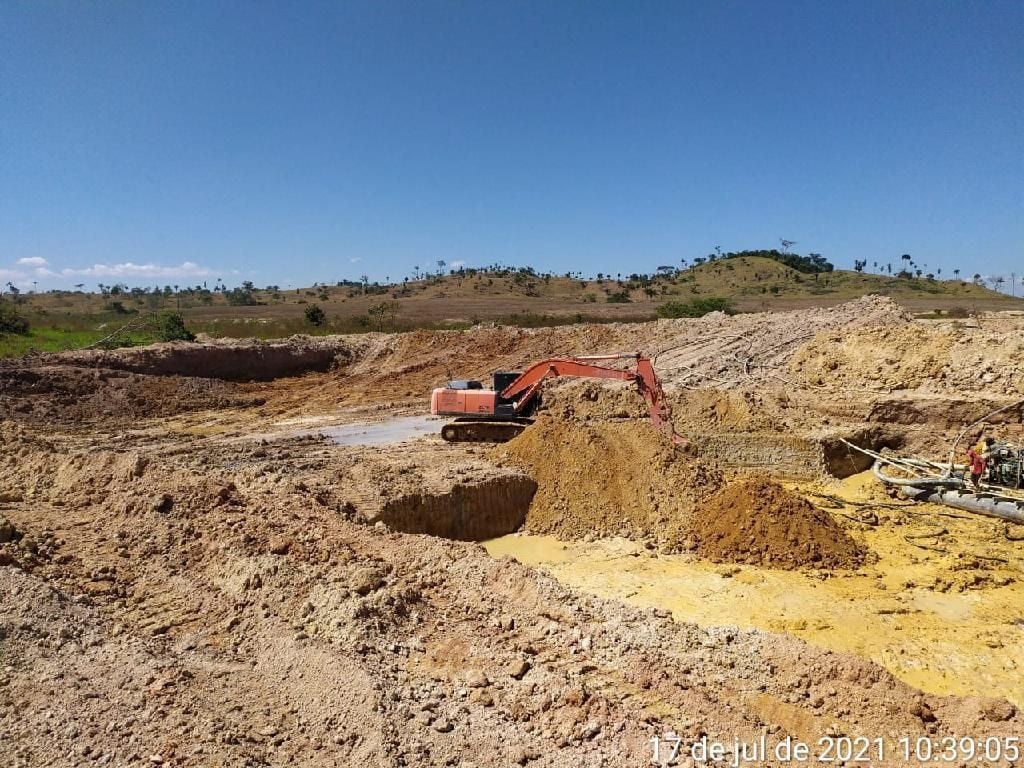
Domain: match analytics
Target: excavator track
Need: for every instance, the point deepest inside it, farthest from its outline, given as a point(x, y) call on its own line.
point(478, 431)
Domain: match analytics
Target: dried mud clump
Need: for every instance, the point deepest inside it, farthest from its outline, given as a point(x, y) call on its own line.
point(607, 479)
point(758, 522)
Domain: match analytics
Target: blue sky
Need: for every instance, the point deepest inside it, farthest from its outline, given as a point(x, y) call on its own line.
point(287, 143)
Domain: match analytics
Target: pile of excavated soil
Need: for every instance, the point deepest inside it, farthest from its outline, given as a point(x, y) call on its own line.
point(607, 479)
point(759, 522)
point(912, 357)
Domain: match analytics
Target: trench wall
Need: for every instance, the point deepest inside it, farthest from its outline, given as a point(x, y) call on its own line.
point(475, 511)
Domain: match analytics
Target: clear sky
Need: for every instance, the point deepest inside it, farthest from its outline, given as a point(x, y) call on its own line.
point(177, 142)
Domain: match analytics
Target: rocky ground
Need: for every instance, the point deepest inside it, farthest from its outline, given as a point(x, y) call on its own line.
point(187, 579)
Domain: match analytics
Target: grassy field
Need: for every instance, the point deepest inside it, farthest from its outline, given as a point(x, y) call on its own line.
point(57, 339)
point(64, 320)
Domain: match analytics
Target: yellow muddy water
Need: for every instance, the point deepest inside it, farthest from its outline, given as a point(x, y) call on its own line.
point(949, 622)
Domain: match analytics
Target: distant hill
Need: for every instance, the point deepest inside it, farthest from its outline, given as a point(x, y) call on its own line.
point(510, 295)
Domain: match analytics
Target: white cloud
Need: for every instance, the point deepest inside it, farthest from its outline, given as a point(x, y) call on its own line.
point(456, 264)
point(130, 269)
point(11, 274)
point(33, 261)
point(355, 259)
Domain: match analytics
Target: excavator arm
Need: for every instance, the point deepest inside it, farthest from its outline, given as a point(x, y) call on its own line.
point(525, 388)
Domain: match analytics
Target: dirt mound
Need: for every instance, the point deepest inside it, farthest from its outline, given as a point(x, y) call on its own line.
point(757, 521)
point(590, 400)
point(606, 479)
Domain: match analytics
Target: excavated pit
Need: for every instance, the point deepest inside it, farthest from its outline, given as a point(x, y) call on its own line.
point(425, 486)
point(476, 511)
point(222, 359)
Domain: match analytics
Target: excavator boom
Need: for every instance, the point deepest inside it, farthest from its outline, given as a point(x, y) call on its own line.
point(499, 414)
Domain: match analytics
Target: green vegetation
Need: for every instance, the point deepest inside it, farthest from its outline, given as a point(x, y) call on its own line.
point(171, 327)
point(383, 315)
point(315, 315)
point(811, 263)
point(242, 296)
point(695, 307)
point(11, 320)
point(57, 340)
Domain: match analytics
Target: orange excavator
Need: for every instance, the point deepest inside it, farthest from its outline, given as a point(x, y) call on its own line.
point(499, 414)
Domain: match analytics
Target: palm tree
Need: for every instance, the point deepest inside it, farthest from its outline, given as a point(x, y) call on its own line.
point(956, 273)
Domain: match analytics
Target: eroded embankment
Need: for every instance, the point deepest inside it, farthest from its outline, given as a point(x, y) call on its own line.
point(227, 359)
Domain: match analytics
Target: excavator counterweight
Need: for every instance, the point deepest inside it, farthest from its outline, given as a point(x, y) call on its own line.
point(501, 413)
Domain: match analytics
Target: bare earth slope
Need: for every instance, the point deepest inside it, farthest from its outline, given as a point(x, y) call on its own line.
point(187, 579)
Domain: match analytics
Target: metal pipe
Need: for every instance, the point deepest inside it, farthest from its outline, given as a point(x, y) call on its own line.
point(926, 482)
point(1003, 508)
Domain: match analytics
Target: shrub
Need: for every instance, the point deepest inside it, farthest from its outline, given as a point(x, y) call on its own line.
point(171, 326)
point(695, 307)
point(619, 297)
point(12, 321)
point(315, 315)
point(240, 297)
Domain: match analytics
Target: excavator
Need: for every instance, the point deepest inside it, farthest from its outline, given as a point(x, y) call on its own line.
point(498, 414)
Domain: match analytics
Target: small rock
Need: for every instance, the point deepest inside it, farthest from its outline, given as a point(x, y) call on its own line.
point(366, 580)
point(476, 679)
point(518, 669)
point(443, 725)
point(7, 531)
point(997, 710)
point(280, 545)
point(921, 709)
point(162, 504)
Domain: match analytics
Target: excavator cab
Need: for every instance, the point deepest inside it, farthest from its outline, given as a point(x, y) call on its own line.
point(505, 407)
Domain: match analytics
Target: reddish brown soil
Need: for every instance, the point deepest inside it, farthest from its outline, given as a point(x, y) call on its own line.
point(758, 521)
point(607, 479)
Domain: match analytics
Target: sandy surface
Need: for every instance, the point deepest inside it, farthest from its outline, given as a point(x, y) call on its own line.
point(190, 575)
point(943, 623)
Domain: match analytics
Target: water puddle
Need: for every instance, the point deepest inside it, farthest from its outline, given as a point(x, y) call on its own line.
point(383, 432)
